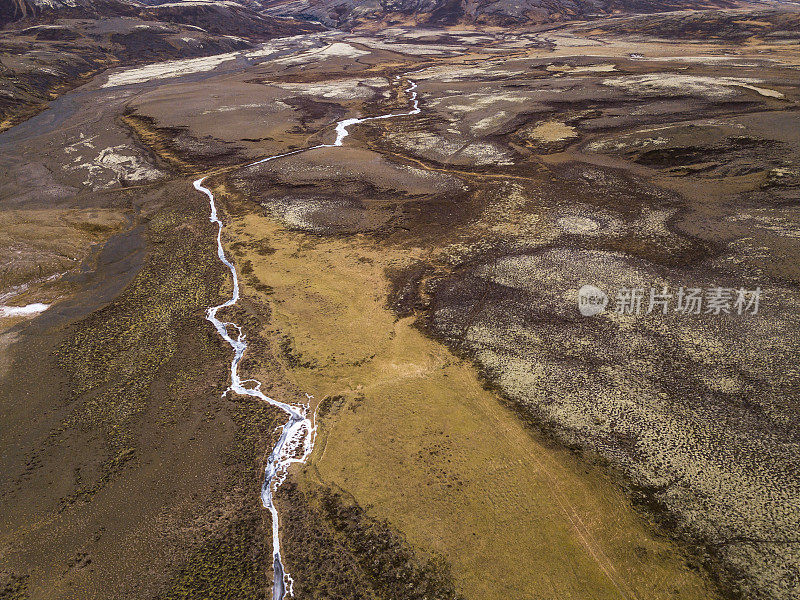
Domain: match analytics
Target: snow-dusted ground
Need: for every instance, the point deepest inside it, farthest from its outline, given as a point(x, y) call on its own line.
point(109, 166)
point(341, 89)
point(23, 311)
point(189, 66)
point(334, 50)
point(711, 87)
point(411, 49)
point(164, 70)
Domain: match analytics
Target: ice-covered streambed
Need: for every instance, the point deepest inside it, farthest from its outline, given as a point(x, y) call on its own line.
point(298, 433)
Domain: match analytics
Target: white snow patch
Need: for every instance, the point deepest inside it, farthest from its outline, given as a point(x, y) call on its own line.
point(451, 74)
point(270, 107)
point(110, 165)
point(126, 166)
point(411, 49)
point(23, 311)
point(164, 70)
point(343, 89)
point(334, 50)
point(711, 87)
point(731, 61)
point(269, 48)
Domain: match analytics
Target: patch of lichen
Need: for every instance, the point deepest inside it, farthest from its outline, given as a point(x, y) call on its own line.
point(672, 250)
point(335, 549)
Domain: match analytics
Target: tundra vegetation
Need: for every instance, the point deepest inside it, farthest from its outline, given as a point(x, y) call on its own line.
point(477, 437)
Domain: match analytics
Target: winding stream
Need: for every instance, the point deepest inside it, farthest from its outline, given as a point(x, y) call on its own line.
point(298, 433)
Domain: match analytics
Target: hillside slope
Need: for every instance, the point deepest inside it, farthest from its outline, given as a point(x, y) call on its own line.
point(351, 13)
point(16, 10)
point(50, 46)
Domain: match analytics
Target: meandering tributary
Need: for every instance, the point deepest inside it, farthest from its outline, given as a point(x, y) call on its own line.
point(297, 435)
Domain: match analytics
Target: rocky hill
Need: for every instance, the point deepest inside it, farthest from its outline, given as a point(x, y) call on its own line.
point(250, 15)
point(50, 46)
point(223, 18)
point(16, 10)
point(353, 13)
